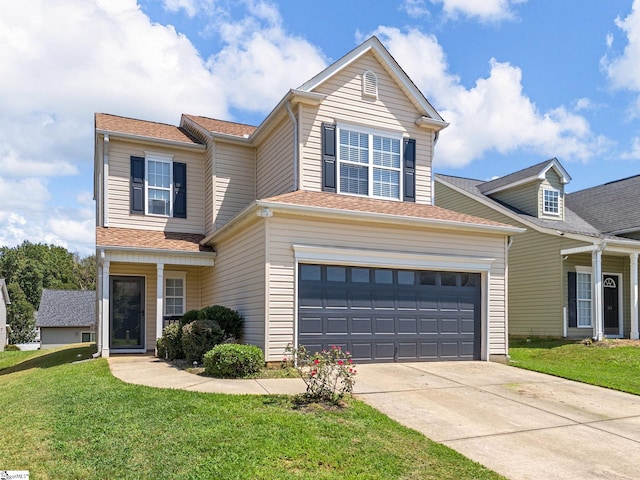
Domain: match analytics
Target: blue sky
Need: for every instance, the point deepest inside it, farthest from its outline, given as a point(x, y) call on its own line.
point(519, 81)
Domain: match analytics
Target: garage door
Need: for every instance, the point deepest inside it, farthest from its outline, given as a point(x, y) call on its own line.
point(386, 315)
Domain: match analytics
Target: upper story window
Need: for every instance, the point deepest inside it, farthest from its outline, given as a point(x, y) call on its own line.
point(551, 201)
point(369, 164)
point(158, 186)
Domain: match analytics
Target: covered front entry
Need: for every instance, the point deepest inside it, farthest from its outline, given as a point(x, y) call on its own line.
point(386, 315)
point(127, 319)
point(611, 304)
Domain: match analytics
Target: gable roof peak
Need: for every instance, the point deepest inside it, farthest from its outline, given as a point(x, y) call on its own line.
point(390, 64)
point(526, 175)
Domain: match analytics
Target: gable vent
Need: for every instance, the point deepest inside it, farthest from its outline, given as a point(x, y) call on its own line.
point(370, 84)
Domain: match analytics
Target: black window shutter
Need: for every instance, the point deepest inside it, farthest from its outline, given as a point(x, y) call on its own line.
point(328, 157)
point(137, 185)
point(409, 171)
point(180, 190)
point(572, 308)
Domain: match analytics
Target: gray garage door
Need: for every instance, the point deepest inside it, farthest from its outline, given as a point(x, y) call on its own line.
point(386, 315)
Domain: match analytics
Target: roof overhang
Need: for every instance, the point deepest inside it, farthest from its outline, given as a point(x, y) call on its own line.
point(147, 139)
point(150, 255)
point(541, 175)
point(5, 292)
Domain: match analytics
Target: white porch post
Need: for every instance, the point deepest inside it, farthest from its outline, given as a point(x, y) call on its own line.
point(634, 296)
point(159, 300)
point(596, 275)
point(106, 338)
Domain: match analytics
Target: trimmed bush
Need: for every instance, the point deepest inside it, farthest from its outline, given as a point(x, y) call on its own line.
point(233, 360)
point(198, 337)
point(229, 320)
point(189, 317)
point(12, 348)
point(170, 344)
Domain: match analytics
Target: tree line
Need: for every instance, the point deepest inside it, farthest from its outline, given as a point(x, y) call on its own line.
point(31, 267)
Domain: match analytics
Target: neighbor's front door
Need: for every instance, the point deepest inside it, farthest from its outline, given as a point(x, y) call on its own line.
point(127, 313)
point(611, 307)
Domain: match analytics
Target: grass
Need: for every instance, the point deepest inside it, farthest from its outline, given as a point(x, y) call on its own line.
point(66, 419)
point(607, 364)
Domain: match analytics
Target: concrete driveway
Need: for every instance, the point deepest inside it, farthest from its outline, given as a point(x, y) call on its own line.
point(522, 424)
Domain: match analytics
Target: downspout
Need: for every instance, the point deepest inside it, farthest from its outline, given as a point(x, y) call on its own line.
point(105, 181)
point(99, 300)
point(292, 117)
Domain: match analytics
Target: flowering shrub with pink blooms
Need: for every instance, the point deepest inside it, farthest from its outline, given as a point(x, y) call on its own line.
point(329, 375)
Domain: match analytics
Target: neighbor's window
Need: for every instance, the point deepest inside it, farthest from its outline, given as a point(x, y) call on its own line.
point(583, 298)
point(158, 187)
point(174, 294)
point(551, 201)
point(87, 337)
point(369, 164)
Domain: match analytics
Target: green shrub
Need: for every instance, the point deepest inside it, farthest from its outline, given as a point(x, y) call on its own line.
point(189, 317)
point(170, 344)
point(233, 360)
point(198, 337)
point(11, 348)
point(230, 321)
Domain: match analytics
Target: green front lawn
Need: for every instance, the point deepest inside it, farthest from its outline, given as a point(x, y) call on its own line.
point(612, 364)
point(75, 420)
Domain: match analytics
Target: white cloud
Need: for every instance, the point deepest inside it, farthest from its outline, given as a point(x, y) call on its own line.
point(260, 61)
point(495, 114)
point(415, 8)
point(624, 70)
point(484, 10)
point(634, 152)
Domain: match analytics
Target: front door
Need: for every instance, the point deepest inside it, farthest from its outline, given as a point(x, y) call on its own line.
point(611, 304)
point(127, 313)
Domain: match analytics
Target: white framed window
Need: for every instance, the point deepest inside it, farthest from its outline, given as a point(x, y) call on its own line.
point(551, 201)
point(369, 163)
point(175, 293)
point(583, 297)
point(159, 185)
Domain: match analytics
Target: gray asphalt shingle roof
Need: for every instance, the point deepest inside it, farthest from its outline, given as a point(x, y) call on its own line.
point(572, 222)
point(67, 308)
point(611, 207)
point(514, 177)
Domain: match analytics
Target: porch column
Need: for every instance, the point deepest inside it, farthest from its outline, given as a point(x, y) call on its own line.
point(106, 338)
point(596, 275)
point(634, 296)
point(159, 300)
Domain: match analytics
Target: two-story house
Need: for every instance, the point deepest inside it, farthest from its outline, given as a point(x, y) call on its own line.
point(574, 272)
point(318, 225)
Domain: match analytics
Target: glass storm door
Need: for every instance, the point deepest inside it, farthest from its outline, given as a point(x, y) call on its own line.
point(610, 303)
point(127, 313)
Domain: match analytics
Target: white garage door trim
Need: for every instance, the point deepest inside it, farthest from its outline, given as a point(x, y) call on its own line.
point(394, 259)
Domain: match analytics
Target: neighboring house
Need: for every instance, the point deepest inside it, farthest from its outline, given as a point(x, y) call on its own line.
point(574, 272)
point(4, 301)
point(66, 316)
point(317, 226)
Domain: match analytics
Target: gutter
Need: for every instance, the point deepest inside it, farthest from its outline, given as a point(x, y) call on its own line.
point(142, 138)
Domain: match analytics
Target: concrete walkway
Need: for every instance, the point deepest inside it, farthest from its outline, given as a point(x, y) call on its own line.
point(522, 424)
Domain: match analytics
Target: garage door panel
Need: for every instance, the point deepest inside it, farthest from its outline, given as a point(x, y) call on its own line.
point(391, 315)
point(384, 325)
point(361, 325)
point(408, 325)
point(337, 325)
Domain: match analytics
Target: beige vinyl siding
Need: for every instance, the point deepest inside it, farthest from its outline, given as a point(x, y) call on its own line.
point(524, 197)
point(235, 180)
point(119, 189)
point(238, 279)
point(392, 111)
point(274, 162)
point(149, 271)
point(286, 231)
point(3, 323)
point(209, 180)
point(552, 181)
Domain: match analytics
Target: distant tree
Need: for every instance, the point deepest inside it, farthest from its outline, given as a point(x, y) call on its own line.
point(20, 316)
point(31, 267)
